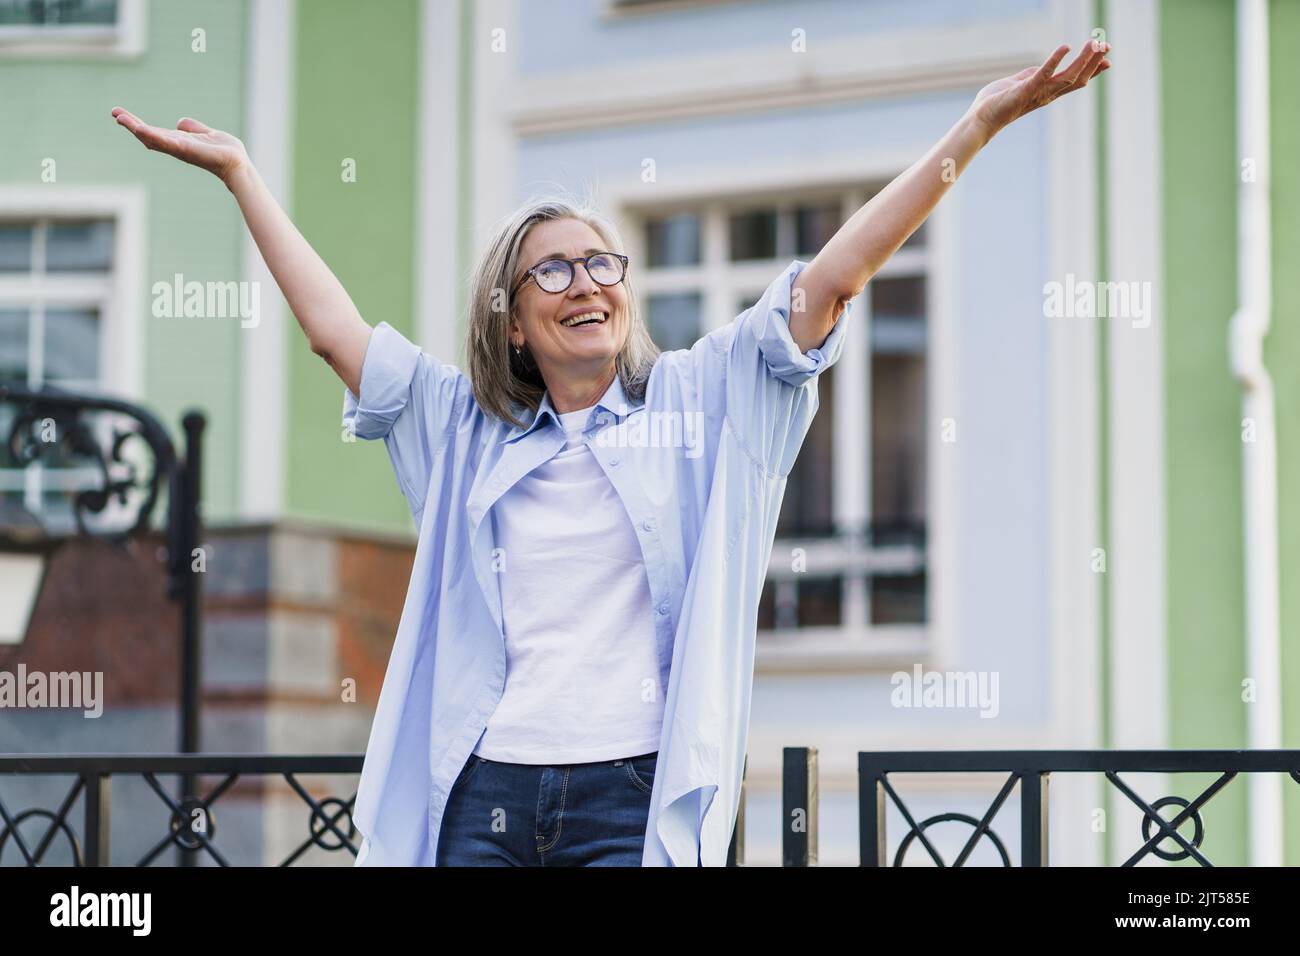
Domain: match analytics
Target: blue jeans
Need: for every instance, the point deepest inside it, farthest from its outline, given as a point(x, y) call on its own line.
point(514, 814)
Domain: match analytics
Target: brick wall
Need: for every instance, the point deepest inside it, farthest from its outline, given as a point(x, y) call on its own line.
point(291, 612)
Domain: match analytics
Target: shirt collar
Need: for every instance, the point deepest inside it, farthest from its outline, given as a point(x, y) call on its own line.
point(613, 402)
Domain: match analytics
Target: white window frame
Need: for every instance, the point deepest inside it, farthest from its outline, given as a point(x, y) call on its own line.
point(120, 340)
point(116, 295)
point(40, 292)
point(124, 39)
point(855, 644)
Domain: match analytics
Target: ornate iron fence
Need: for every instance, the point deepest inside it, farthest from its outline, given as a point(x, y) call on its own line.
point(1030, 772)
point(187, 824)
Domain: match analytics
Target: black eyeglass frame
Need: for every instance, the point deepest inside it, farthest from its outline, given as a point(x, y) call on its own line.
point(573, 272)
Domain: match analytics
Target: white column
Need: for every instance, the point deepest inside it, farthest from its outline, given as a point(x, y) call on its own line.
point(437, 326)
point(263, 349)
point(1139, 669)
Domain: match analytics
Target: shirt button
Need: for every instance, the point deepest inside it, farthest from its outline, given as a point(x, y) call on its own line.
point(663, 608)
point(613, 462)
point(648, 524)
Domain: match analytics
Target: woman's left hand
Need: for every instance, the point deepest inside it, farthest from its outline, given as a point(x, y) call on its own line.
point(1006, 100)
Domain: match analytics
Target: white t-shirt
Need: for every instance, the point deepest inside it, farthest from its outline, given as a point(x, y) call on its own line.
point(584, 679)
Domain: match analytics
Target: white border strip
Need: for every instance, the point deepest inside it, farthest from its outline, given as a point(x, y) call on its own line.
point(438, 181)
point(495, 86)
point(1074, 482)
point(1139, 677)
point(263, 386)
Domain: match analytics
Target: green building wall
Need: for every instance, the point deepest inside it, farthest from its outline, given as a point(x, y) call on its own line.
point(1206, 622)
point(60, 106)
point(1282, 354)
point(356, 97)
point(1205, 585)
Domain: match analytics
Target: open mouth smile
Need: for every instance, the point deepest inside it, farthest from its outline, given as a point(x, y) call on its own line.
point(590, 317)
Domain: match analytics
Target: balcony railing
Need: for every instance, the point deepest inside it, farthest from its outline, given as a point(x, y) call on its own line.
point(30, 836)
point(37, 835)
point(1027, 771)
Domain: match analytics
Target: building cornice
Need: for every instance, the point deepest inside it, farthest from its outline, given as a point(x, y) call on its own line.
point(837, 71)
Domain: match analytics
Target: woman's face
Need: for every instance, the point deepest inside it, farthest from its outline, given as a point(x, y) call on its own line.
point(540, 316)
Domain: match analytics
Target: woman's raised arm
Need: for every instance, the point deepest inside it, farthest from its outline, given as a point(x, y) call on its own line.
point(334, 327)
point(863, 244)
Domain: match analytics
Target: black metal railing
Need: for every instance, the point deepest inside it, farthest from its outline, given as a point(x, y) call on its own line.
point(1028, 771)
point(187, 824)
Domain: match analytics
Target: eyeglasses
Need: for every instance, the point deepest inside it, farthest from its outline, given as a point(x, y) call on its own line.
point(556, 275)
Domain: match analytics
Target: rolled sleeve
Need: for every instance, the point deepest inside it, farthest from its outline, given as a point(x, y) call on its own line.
point(767, 327)
point(410, 400)
point(386, 374)
point(771, 384)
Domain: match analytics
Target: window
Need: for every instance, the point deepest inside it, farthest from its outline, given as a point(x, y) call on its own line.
point(71, 27)
point(57, 13)
point(849, 562)
point(56, 285)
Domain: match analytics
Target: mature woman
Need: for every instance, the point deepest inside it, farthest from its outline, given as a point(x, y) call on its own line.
point(570, 681)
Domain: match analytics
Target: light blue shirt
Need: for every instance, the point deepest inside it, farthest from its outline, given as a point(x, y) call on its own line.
point(700, 465)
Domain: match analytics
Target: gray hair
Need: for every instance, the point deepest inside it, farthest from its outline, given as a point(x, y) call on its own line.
point(500, 378)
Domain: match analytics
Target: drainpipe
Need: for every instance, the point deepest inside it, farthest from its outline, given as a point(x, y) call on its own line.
point(1246, 334)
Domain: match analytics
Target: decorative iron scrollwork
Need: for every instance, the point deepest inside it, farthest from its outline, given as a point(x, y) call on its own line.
point(50, 422)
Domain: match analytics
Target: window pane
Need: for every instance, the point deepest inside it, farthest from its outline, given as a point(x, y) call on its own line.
point(753, 235)
point(80, 247)
point(674, 319)
point(814, 225)
point(71, 345)
point(898, 316)
point(803, 602)
point(15, 247)
point(898, 599)
point(898, 439)
point(14, 325)
point(673, 240)
point(55, 12)
point(820, 602)
point(806, 507)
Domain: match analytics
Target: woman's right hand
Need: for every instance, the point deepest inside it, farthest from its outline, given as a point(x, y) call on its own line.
point(318, 300)
point(219, 153)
